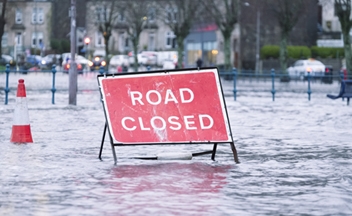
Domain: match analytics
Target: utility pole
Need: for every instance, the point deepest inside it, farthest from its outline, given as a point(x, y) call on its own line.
point(72, 87)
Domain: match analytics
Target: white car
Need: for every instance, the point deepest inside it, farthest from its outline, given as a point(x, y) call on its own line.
point(142, 59)
point(117, 61)
point(301, 68)
point(169, 64)
point(50, 59)
point(151, 57)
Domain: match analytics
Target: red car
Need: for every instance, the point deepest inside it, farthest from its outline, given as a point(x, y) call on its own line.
point(67, 68)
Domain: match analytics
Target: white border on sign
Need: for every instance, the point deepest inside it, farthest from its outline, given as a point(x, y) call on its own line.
point(162, 73)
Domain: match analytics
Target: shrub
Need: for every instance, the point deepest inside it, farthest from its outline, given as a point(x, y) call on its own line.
point(270, 51)
point(55, 45)
point(297, 52)
point(65, 45)
point(327, 52)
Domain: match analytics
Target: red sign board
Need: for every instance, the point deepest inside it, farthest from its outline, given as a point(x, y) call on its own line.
point(165, 107)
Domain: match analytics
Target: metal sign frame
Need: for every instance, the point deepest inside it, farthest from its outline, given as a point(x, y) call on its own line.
point(162, 73)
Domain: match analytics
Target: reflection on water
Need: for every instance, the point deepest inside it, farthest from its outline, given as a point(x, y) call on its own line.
point(296, 159)
point(160, 188)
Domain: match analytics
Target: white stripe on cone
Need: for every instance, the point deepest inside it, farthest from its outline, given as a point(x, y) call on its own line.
point(21, 116)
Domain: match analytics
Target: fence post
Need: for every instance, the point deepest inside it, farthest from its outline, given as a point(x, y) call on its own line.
point(234, 71)
point(309, 91)
point(101, 70)
point(342, 75)
point(7, 90)
point(273, 84)
point(53, 89)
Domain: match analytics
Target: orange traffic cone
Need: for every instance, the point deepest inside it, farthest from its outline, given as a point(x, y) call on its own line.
point(21, 130)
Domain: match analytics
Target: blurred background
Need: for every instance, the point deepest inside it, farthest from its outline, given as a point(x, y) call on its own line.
point(253, 36)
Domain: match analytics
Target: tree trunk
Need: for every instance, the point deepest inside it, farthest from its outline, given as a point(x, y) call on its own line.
point(283, 53)
point(107, 52)
point(284, 57)
point(135, 55)
point(348, 54)
point(227, 51)
point(2, 26)
point(180, 47)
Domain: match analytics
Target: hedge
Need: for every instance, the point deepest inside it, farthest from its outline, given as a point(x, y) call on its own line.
point(296, 52)
point(327, 52)
point(270, 51)
point(273, 51)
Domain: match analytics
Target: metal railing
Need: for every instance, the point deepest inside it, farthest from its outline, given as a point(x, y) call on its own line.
point(234, 76)
point(265, 76)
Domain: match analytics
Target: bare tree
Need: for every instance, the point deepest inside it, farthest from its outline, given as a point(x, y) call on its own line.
point(287, 13)
point(179, 16)
point(2, 21)
point(106, 15)
point(225, 14)
point(343, 12)
point(136, 12)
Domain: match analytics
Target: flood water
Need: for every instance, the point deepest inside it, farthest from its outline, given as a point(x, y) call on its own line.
point(295, 154)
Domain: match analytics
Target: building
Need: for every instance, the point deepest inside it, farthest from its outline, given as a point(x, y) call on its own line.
point(204, 40)
point(28, 27)
point(330, 28)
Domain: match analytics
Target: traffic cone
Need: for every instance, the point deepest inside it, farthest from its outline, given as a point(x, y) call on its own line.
point(21, 129)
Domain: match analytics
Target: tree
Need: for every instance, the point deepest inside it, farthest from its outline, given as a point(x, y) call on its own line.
point(2, 21)
point(136, 12)
point(180, 17)
point(225, 14)
point(287, 13)
point(343, 12)
point(106, 15)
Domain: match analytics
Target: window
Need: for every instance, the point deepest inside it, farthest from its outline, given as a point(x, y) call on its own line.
point(122, 17)
point(102, 13)
point(18, 18)
point(151, 15)
point(37, 40)
point(40, 15)
point(170, 40)
point(151, 42)
point(34, 15)
point(99, 39)
point(18, 39)
point(121, 42)
point(171, 15)
point(37, 15)
point(4, 40)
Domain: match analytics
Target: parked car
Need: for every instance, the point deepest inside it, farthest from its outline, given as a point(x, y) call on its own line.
point(97, 62)
point(169, 64)
point(301, 68)
point(142, 59)
point(151, 57)
point(7, 59)
point(48, 60)
point(328, 74)
point(118, 61)
point(33, 60)
point(82, 64)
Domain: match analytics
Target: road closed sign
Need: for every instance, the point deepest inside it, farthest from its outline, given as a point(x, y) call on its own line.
point(185, 106)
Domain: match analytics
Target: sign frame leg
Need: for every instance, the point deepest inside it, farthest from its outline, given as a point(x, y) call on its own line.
point(234, 151)
point(102, 141)
point(214, 151)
